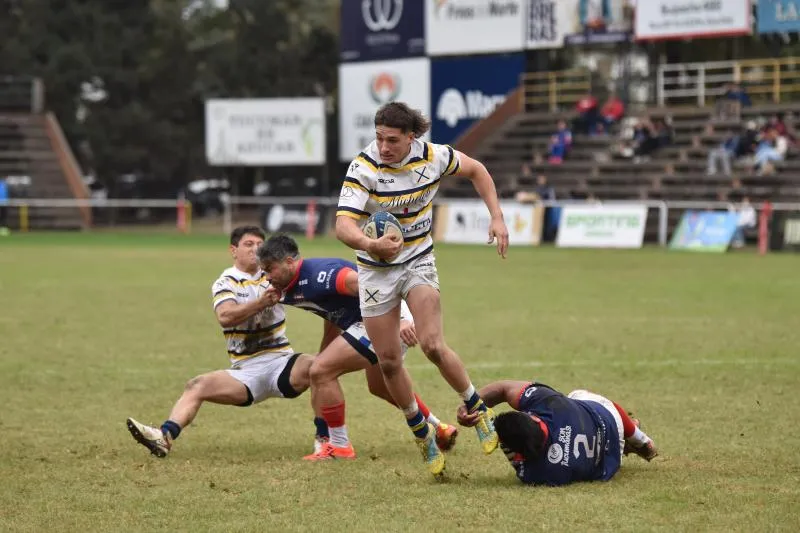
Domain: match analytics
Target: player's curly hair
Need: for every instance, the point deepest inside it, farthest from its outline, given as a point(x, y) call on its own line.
point(521, 434)
point(400, 115)
point(277, 248)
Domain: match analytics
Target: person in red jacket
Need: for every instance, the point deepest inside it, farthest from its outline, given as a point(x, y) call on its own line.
point(612, 111)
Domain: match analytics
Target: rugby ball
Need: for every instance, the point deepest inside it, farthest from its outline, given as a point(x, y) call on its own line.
point(380, 224)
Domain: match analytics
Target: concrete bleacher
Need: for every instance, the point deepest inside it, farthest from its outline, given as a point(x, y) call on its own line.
point(677, 172)
point(26, 149)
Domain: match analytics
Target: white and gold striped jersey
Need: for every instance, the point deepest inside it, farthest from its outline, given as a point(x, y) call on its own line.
point(262, 334)
point(406, 190)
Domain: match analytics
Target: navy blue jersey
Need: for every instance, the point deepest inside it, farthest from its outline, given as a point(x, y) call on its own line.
point(319, 287)
point(583, 440)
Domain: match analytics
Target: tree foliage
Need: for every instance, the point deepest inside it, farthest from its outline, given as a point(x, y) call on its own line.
point(128, 78)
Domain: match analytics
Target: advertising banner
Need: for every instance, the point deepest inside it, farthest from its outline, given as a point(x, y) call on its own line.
point(597, 21)
point(364, 87)
point(705, 231)
point(785, 231)
point(547, 22)
point(467, 222)
point(459, 97)
point(265, 132)
point(601, 226)
point(778, 16)
point(382, 29)
point(460, 27)
point(687, 19)
point(294, 218)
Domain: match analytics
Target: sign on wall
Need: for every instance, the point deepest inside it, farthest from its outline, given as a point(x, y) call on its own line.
point(778, 16)
point(467, 222)
point(547, 22)
point(602, 226)
point(685, 19)
point(459, 97)
point(364, 87)
point(382, 29)
point(458, 27)
point(265, 132)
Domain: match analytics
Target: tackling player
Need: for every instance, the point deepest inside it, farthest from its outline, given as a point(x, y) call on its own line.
point(399, 173)
point(263, 364)
point(552, 439)
point(328, 287)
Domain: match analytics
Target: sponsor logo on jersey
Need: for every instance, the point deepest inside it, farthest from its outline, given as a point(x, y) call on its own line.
point(565, 438)
point(555, 453)
point(385, 180)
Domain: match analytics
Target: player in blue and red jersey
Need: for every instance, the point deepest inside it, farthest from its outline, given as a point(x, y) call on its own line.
point(553, 439)
point(328, 287)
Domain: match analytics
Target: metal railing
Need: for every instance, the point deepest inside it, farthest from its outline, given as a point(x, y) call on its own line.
point(774, 80)
point(554, 90)
point(21, 94)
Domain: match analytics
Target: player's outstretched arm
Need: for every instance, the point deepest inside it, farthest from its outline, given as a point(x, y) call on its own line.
point(505, 391)
point(475, 171)
point(230, 313)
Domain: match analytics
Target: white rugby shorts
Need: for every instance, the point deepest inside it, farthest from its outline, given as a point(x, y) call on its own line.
point(382, 288)
point(608, 405)
point(266, 376)
point(356, 336)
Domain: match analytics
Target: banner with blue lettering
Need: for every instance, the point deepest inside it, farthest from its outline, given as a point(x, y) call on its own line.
point(705, 231)
point(778, 16)
point(467, 89)
point(382, 29)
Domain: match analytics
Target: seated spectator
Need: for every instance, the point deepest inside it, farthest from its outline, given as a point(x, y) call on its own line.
point(526, 173)
point(612, 111)
point(771, 149)
point(732, 101)
point(560, 144)
point(664, 132)
point(587, 118)
point(644, 140)
point(723, 153)
point(748, 141)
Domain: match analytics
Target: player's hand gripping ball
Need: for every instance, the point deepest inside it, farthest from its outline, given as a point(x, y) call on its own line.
point(380, 224)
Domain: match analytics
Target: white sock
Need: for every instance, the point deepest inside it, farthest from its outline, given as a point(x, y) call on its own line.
point(639, 437)
point(467, 394)
point(339, 436)
point(411, 410)
point(433, 420)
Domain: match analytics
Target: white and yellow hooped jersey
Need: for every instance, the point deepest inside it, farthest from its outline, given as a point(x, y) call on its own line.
point(406, 190)
point(262, 334)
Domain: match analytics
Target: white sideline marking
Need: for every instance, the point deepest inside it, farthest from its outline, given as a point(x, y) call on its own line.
point(663, 363)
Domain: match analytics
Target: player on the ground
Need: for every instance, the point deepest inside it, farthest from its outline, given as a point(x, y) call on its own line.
point(399, 173)
point(263, 364)
point(552, 439)
point(328, 287)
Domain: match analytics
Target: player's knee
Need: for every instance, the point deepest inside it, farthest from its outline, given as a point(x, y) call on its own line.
point(434, 349)
point(195, 385)
point(390, 367)
point(320, 373)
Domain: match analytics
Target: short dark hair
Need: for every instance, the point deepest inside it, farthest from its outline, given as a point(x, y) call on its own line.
point(241, 231)
point(277, 248)
point(521, 434)
point(399, 115)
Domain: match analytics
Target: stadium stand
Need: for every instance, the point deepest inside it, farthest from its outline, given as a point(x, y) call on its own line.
point(36, 159)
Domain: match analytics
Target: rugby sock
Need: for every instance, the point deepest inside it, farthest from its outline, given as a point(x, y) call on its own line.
point(334, 417)
point(416, 421)
point(171, 428)
point(472, 400)
point(631, 432)
point(430, 417)
point(322, 428)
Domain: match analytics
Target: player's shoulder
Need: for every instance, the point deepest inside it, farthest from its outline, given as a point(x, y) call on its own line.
point(317, 264)
point(445, 157)
point(366, 163)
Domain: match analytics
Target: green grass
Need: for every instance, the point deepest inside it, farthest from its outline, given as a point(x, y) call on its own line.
point(96, 328)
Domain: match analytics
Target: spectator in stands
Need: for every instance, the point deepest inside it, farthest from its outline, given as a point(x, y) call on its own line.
point(3, 207)
point(560, 143)
point(747, 221)
point(544, 190)
point(588, 115)
point(612, 111)
point(664, 132)
point(723, 153)
point(732, 101)
point(644, 140)
point(772, 149)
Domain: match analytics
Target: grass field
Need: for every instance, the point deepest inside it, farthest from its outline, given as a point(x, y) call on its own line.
point(96, 328)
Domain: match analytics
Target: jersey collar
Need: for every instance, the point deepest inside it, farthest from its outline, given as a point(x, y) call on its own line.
point(292, 283)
